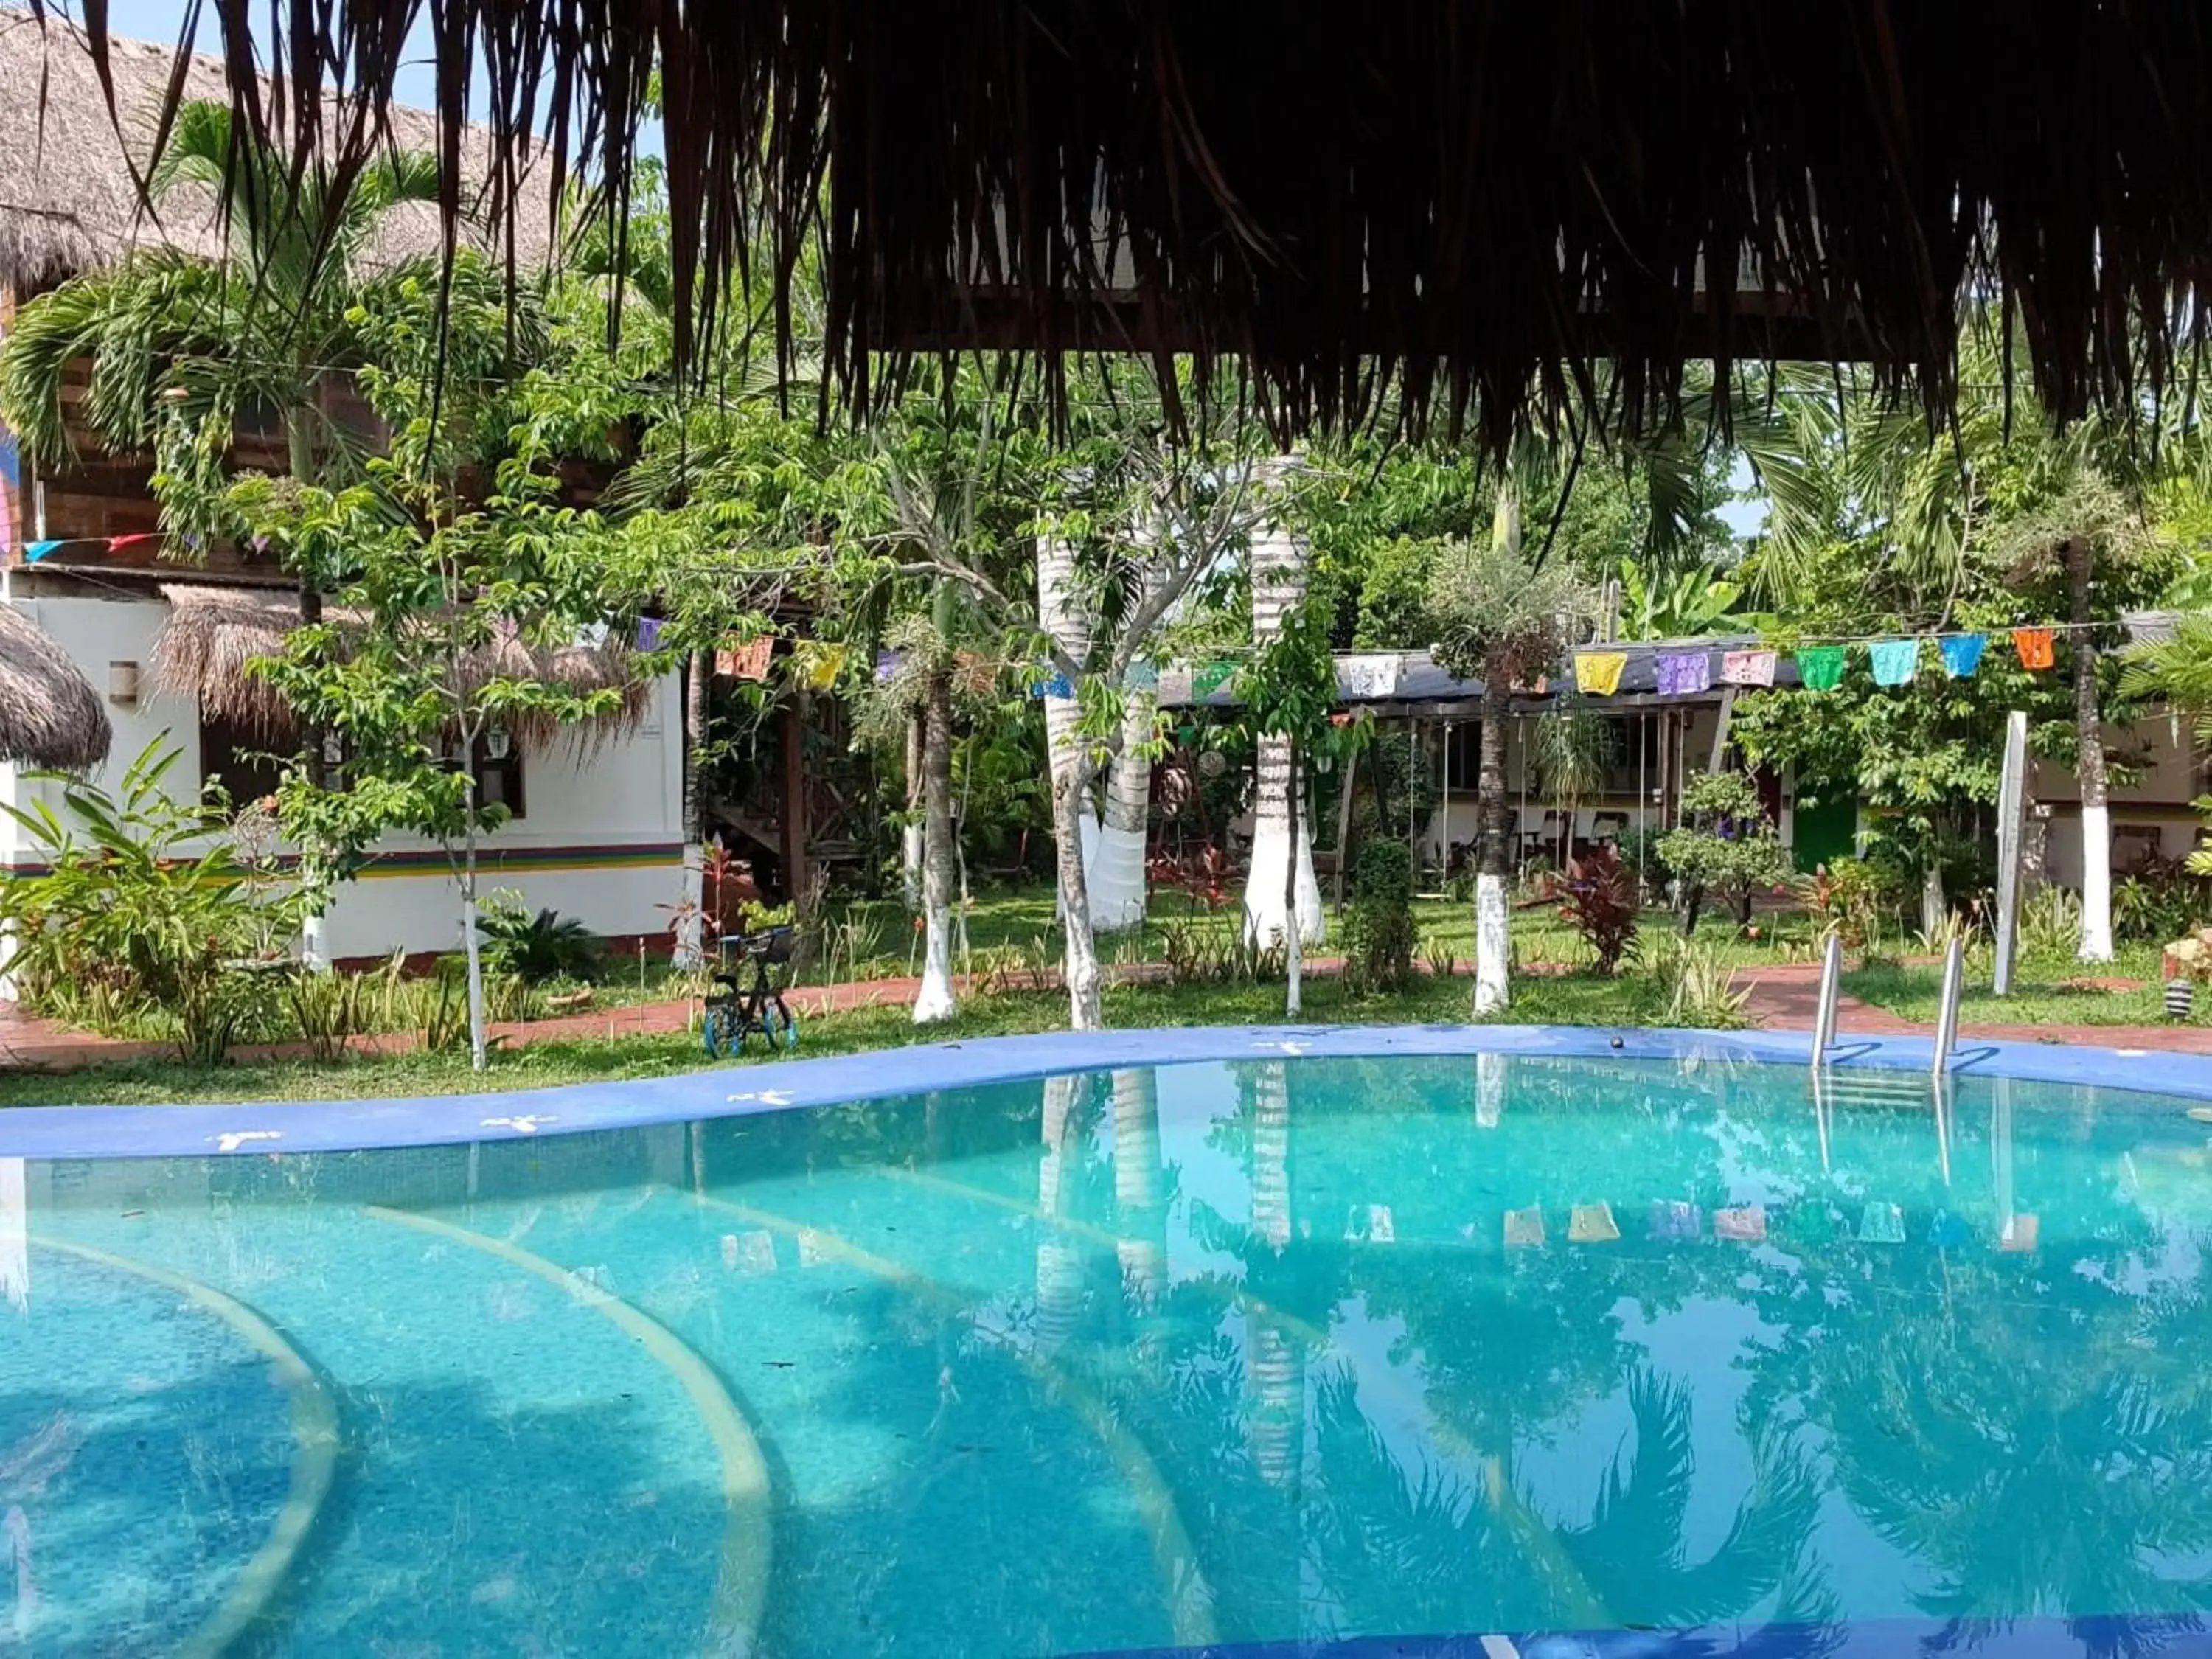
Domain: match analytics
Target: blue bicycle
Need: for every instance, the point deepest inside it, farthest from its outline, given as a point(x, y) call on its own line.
point(741, 1011)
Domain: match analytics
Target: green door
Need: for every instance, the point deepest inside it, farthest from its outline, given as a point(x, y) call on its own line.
point(1827, 831)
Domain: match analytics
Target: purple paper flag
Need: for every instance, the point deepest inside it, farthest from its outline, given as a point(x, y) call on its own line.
point(1685, 674)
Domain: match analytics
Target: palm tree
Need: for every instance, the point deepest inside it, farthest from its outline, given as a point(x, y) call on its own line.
point(1501, 620)
point(1282, 856)
point(177, 342)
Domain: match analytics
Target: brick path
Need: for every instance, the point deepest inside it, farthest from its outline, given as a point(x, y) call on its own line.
point(1783, 999)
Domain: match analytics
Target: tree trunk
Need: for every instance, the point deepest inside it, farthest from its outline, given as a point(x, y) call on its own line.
point(1117, 868)
point(936, 1000)
point(2096, 821)
point(910, 837)
point(479, 1049)
point(1062, 616)
point(1294, 1000)
point(315, 927)
point(1071, 785)
point(1934, 903)
point(1494, 807)
point(1278, 570)
point(691, 917)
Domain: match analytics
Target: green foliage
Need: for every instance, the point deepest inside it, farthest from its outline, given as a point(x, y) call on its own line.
point(1728, 849)
point(1495, 615)
point(2160, 904)
point(1693, 985)
point(1851, 898)
point(1663, 605)
point(1379, 935)
point(165, 908)
point(536, 948)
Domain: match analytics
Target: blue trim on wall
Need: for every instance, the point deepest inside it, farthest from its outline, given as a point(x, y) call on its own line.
point(79, 1132)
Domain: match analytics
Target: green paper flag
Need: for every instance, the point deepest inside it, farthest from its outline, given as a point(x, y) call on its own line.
point(1209, 677)
point(1821, 667)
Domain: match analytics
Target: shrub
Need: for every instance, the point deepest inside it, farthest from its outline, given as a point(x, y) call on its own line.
point(1694, 987)
point(1599, 898)
point(1379, 935)
point(1849, 898)
point(152, 905)
point(1727, 847)
point(535, 949)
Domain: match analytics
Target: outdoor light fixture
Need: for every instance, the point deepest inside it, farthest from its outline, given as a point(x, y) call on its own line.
point(123, 685)
point(496, 743)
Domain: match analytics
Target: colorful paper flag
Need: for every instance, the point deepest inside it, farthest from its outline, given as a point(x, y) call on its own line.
point(1821, 667)
point(1209, 677)
point(37, 550)
point(1895, 661)
point(1962, 653)
point(1597, 673)
point(748, 661)
point(1747, 668)
point(818, 666)
point(648, 633)
point(887, 665)
point(1685, 674)
point(1671, 1219)
point(2033, 645)
point(117, 544)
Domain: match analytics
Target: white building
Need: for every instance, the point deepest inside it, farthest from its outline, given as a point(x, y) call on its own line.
point(597, 830)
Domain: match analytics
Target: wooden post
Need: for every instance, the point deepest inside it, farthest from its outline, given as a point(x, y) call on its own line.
point(794, 798)
point(1343, 822)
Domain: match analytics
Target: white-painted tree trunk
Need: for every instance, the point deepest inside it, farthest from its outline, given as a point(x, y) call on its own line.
point(690, 953)
point(910, 838)
point(1117, 867)
point(1079, 964)
point(1934, 903)
point(1064, 617)
point(936, 999)
point(1279, 573)
point(471, 947)
point(2096, 884)
point(1493, 944)
point(315, 942)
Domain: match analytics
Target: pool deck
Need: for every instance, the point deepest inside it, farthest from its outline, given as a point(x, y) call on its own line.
point(278, 1128)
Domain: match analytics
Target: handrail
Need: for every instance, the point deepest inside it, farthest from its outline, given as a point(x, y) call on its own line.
point(1832, 985)
point(1947, 1018)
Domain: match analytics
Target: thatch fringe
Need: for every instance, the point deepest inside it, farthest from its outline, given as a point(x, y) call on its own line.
point(1472, 203)
point(50, 715)
point(213, 633)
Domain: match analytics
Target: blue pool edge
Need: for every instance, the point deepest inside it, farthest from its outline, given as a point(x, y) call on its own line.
point(276, 1127)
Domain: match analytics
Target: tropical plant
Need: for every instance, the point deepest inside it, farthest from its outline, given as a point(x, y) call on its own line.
point(1730, 848)
point(1378, 934)
point(535, 948)
point(1503, 619)
point(156, 900)
point(1674, 605)
point(1600, 900)
point(1849, 898)
point(1694, 986)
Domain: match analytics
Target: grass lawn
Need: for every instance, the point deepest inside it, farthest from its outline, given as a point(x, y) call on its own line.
point(1578, 999)
point(2050, 990)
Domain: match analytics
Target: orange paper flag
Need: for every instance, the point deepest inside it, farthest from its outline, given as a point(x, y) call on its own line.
point(2033, 645)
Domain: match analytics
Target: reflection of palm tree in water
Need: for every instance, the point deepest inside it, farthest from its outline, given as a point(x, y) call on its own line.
point(1403, 1550)
point(1274, 1364)
point(1059, 1258)
point(1139, 1197)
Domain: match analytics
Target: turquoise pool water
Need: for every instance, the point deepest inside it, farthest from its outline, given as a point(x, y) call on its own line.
point(1215, 1354)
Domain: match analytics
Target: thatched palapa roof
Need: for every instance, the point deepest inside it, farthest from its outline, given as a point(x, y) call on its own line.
point(213, 633)
point(50, 715)
point(1478, 200)
point(67, 199)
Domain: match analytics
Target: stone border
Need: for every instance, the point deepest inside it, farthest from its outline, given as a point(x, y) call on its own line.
point(101, 1132)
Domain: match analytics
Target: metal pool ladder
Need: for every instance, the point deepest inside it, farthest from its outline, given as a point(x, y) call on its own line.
point(1947, 1016)
point(1832, 985)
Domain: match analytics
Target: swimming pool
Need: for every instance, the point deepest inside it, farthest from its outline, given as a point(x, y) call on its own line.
point(1678, 1354)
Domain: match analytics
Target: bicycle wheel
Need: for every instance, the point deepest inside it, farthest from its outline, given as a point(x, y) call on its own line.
point(790, 1028)
point(771, 1027)
point(714, 1032)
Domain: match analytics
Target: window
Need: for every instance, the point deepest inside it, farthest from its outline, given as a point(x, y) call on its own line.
point(499, 772)
point(238, 758)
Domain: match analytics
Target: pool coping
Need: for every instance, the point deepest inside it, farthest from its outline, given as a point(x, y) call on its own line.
point(326, 1126)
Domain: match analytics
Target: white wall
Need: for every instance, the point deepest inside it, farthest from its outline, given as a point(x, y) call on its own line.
point(622, 800)
point(2172, 779)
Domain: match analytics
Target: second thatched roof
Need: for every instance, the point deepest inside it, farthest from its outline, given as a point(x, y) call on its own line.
point(213, 633)
point(67, 202)
point(50, 715)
